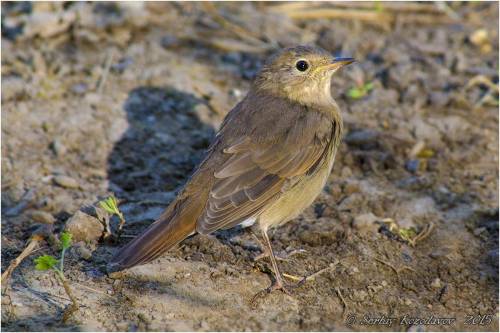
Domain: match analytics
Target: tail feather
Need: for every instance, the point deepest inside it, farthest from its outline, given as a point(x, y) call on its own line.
point(173, 226)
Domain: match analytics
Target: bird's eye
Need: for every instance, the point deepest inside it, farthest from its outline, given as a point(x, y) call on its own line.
point(302, 65)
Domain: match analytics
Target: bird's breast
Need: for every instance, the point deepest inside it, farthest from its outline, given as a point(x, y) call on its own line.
point(301, 193)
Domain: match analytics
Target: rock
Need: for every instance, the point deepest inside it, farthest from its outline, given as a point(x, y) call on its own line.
point(361, 138)
point(406, 223)
point(66, 182)
point(412, 165)
point(84, 227)
point(359, 295)
point(479, 37)
point(79, 88)
point(42, 217)
point(453, 127)
point(12, 87)
point(83, 251)
point(46, 24)
point(439, 98)
point(479, 231)
point(169, 41)
point(436, 283)
point(424, 131)
point(492, 257)
point(351, 188)
point(417, 207)
point(58, 148)
point(365, 222)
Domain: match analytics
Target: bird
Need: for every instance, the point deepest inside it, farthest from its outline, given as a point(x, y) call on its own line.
point(268, 162)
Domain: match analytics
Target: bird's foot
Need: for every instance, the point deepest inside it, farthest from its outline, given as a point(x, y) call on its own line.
point(285, 287)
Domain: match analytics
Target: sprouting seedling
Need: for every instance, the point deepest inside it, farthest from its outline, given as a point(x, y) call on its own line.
point(407, 234)
point(379, 8)
point(111, 206)
point(48, 262)
point(360, 91)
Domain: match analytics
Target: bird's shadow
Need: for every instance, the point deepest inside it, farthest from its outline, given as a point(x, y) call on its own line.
point(164, 142)
point(162, 145)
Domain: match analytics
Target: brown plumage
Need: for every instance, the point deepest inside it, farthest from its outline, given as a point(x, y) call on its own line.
point(268, 162)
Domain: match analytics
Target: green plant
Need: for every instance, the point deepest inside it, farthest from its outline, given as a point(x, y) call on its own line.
point(48, 262)
point(110, 204)
point(360, 91)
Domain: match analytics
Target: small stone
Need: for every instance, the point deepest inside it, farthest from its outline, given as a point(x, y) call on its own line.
point(407, 301)
point(361, 137)
point(346, 172)
point(122, 65)
point(351, 188)
point(84, 227)
point(359, 295)
point(492, 256)
point(83, 251)
point(79, 88)
point(169, 41)
point(479, 37)
point(365, 222)
point(42, 217)
point(436, 283)
point(12, 87)
point(353, 270)
point(479, 231)
point(412, 165)
point(66, 182)
point(439, 98)
point(58, 148)
point(384, 283)
point(122, 325)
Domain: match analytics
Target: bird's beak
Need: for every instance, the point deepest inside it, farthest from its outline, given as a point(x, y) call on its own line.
point(339, 63)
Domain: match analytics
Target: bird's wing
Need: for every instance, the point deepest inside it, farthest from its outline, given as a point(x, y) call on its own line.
point(254, 175)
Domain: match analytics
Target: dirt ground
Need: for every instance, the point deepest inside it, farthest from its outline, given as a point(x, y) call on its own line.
point(125, 98)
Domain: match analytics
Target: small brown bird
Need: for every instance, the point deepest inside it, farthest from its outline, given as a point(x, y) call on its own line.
point(269, 161)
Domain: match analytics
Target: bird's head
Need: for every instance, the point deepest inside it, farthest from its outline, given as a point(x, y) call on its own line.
point(302, 74)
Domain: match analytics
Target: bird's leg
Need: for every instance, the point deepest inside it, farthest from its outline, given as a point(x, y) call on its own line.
point(265, 251)
point(279, 283)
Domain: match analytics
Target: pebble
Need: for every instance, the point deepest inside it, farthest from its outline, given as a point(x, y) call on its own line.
point(479, 231)
point(84, 227)
point(79, 88)
point(351, 188)
point(66, 182)
point(58, 148)
point(365, 221)
point(436, 283)
point(83, 251)
point(359, 295)
point(13, 87)
point(169, 41)
point(412, 165)
point(361, 137)
point(42, 217)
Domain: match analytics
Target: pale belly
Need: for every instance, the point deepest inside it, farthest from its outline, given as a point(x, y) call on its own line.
point(296, 199)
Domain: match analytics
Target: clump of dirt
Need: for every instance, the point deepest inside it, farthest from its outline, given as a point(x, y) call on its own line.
point(125, 98)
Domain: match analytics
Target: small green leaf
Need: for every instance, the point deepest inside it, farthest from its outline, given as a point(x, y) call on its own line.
point(65, 240)
point(354, 93)
point(368, 86)
point(361, 91)
point(407, 234)
point(45, 262)
point(110, 205)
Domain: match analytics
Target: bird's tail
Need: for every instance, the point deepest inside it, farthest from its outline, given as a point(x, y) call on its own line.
point(173, 226)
